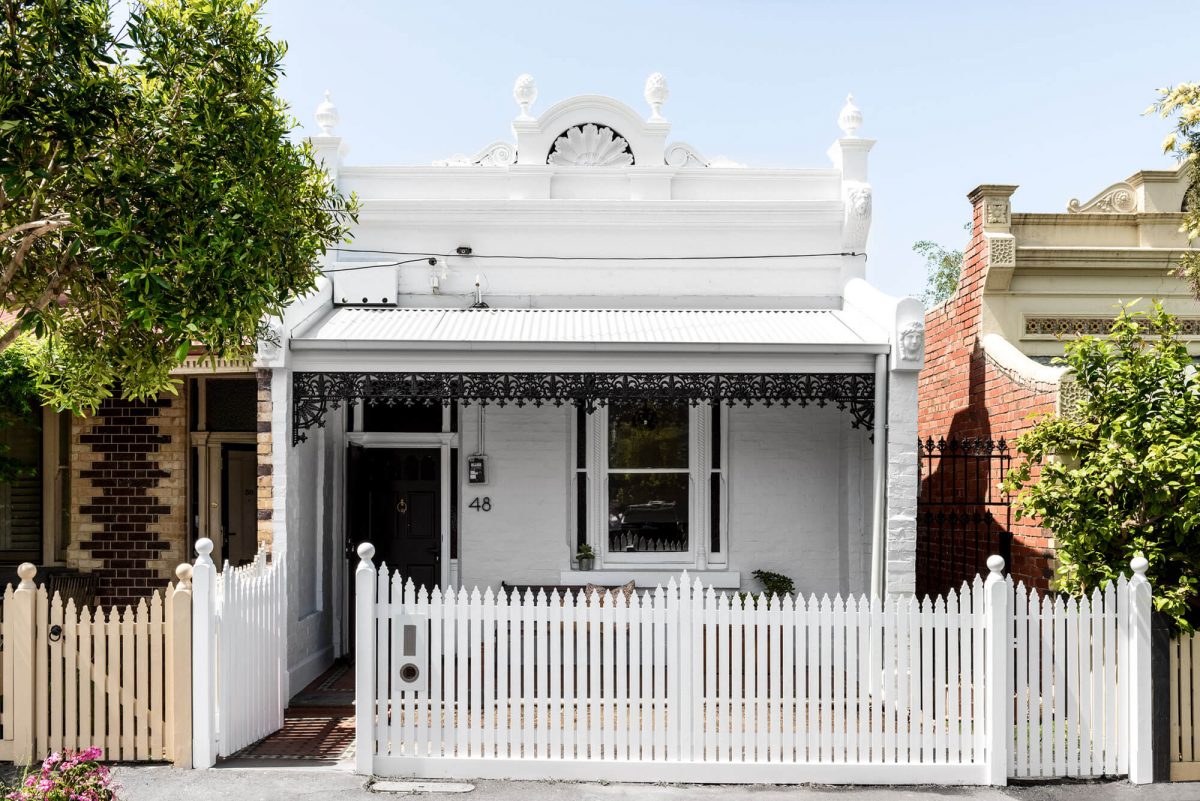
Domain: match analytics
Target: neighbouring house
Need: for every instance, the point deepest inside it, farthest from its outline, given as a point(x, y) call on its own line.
point(115, 498)
point(1028, 282)
point(591, 335)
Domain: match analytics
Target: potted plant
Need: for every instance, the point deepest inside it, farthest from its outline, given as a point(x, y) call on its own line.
point(585, 557)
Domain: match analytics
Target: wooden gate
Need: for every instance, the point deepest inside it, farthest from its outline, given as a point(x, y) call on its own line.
point(1185, 709)
point(117, 679)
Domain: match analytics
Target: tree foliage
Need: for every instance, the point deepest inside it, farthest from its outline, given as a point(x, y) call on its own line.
point(942, 267)
point(18, 393)
point(150, 198)
point(1183, 103)
point(1120, 475)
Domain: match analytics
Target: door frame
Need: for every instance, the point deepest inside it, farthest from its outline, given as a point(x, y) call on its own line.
point(445, 443)
point(209, 510)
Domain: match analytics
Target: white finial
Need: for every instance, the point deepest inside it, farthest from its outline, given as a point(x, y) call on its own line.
point(525, 93)
point(995, 563)
point(850, 120)
point(204, 546)
point(366, 551)
point(1139, 565)
point(656, 93)
point(327, 115)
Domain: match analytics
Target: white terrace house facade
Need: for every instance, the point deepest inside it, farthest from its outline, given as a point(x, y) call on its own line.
point(592, 335)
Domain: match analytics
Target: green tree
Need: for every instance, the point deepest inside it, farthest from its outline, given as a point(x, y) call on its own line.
point(1120, 474)
point(1183, 102)
point(151, 199)
point(942, 267)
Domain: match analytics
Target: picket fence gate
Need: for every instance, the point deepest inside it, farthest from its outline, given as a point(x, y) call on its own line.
point(684, 684)
point(238, 684)
point(1184, 738)
point(71, 678)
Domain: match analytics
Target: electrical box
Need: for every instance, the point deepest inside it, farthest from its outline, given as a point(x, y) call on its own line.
point(410, 672)
point(477, 469)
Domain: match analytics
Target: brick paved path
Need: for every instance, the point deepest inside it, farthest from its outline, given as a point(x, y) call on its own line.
point(318, 725)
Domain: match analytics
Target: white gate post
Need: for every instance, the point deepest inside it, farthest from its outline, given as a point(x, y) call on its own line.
point(364, 661)
point(997, 666)
point(204, 695)
point(1141, 757)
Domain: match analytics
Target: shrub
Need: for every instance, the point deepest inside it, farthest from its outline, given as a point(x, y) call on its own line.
point(67, 777)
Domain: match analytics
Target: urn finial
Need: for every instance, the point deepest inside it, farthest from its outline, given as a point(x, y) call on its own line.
point(656, 93)
point(525, 93)
point(850, 120)
point(327, 115)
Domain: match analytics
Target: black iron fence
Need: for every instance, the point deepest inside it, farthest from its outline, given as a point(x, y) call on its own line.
point(962, 514)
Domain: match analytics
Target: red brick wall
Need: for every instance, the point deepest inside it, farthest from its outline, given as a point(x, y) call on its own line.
point(128, 495)
point(961, 393)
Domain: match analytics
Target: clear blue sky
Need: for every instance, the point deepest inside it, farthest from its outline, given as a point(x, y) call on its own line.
point(1047, 95)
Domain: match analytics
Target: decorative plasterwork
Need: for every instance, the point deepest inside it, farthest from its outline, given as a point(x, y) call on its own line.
point(1120, 198)
point(314, 394)
point(1002, 251)
point(857, 224)
point(912, 341)
point(497, 154)
point(681, 154)
point(996, 212)
point(590, 145)
point(1094, 326)
point(656, 93)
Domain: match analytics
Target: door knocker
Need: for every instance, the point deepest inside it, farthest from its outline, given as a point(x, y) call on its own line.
point(402, 507)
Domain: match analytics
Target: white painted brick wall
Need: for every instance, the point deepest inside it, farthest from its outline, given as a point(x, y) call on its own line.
point(786, 479)
point(902, 483)
point(525, 538)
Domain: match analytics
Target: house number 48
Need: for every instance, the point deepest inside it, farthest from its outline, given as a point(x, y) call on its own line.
point(483, 504)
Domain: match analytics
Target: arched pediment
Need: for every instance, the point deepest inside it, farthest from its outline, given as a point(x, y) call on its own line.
point(646, 139)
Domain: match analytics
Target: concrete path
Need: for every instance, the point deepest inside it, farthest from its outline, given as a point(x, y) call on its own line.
point(273, 783)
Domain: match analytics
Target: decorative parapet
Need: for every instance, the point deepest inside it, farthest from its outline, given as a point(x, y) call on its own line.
point(1120, 198)
point(1019, 368)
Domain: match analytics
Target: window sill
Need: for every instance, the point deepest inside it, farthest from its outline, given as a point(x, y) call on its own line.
point(648, 579)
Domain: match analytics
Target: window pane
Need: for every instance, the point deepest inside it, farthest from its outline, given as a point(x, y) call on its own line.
point(648, 435)
point(647, 512)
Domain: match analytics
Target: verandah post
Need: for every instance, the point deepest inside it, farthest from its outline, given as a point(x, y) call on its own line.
point(20, 631)
point(997, 667)
point(364, 660)
point(1141, 755)
point(204, 680)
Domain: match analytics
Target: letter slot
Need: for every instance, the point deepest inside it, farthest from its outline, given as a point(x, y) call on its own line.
point(410, 672)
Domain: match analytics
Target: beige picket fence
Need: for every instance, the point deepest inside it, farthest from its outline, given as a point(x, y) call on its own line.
point(1185, 708)
point(72, 678)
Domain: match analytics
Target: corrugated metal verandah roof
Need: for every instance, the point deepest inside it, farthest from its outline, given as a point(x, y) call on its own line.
point(680, 327)
point(314, 393)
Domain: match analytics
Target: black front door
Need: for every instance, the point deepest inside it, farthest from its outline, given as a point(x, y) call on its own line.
point(404, 515)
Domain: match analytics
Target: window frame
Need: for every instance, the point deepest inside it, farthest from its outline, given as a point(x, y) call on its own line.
point(592, 472)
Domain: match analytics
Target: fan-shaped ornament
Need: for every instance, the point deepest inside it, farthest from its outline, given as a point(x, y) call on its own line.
point(590, 145)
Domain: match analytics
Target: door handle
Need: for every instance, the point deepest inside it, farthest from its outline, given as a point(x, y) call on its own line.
point(402, 507)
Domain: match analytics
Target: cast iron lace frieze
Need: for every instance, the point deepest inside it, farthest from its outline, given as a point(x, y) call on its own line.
point(314, 394)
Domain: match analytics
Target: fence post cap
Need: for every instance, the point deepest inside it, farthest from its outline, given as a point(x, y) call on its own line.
point(366, 551)
point(995, 563)
point(204, 546)
point(184, 573)
point(1140, 565)
point(26, 570)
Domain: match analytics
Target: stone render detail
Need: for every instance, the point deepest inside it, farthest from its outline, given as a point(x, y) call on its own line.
point(962, 393)
point(129, 495)
point(266, 501)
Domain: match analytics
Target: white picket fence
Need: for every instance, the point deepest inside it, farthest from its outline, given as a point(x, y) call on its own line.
point(238, 683)
point(684, 684)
